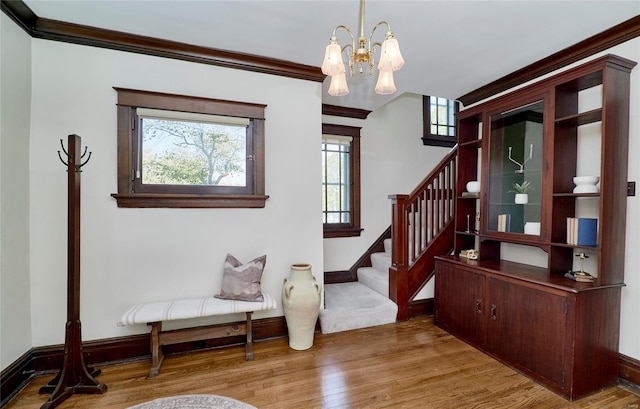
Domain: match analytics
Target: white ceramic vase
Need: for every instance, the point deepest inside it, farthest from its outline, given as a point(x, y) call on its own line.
point(301, 296)
point(522, 198)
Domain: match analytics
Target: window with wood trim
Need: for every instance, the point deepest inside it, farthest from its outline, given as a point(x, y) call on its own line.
point(340, 180)
point(183, 151)
point(439, 116)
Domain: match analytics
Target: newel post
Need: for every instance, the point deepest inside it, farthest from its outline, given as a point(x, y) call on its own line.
point(398, 272)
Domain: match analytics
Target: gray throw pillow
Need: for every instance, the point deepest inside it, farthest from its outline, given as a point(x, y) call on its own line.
point(242, 281)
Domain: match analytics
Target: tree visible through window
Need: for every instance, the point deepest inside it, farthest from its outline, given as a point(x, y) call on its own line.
point(192, 153)
point(341, 180)
point(181, 151)
point(439, 121)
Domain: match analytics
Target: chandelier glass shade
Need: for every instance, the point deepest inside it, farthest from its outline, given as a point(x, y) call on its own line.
point(390, 58)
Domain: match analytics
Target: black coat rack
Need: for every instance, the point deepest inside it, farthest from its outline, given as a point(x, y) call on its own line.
point(75, 376)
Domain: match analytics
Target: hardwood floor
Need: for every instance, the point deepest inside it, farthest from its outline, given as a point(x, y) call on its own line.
point(407, 365)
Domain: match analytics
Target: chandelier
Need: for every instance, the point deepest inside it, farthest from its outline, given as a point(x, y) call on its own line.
point(390, 58)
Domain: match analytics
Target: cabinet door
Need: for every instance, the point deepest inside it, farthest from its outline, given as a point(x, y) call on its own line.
point(459, 302)
point(527, 328)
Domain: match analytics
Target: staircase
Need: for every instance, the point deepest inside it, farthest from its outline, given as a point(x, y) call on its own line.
point(422, 227)
point(363, 303)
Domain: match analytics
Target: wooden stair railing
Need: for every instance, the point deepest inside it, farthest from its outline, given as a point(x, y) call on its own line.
point(421, 228)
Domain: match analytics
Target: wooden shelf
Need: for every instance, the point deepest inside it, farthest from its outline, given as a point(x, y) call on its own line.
point(582, 118)
point(468, 233)
point(574, 246)
point(577, 195)
point(549, 327)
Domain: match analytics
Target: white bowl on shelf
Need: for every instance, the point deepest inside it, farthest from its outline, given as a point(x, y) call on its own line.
point(586, 184)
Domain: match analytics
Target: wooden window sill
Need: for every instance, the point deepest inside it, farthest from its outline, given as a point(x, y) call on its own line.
point(189, 201)
point(342, 232)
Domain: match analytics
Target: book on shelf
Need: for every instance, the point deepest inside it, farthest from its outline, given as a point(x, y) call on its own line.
point(582, 231)
point(504, 222)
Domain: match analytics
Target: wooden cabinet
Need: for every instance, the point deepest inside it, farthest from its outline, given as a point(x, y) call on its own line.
point(526, 323)
point(463, 291)
point(560, 332)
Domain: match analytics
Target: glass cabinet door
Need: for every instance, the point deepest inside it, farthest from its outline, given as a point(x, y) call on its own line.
point(515, 170)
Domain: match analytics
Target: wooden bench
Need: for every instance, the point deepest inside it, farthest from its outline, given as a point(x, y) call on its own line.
point(154, 314)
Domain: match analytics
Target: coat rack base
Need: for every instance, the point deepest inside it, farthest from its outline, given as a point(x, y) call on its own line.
point(74, 377)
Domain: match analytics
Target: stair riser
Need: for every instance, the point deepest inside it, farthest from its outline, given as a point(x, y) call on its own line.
point(381, 261)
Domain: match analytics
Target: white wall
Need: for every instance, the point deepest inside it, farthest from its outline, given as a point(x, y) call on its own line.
point(630, 319)
point(15, 77)
point(393, 160)
point(138, 255)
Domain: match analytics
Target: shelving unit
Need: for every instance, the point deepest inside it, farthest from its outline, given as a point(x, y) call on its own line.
point(558, 331)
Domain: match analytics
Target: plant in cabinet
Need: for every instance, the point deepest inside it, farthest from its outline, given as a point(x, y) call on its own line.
point(521, 190)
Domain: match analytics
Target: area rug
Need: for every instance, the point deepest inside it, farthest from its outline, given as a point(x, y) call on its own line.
point(194, 402)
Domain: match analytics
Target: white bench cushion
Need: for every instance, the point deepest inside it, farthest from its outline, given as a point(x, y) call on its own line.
point(194, 308)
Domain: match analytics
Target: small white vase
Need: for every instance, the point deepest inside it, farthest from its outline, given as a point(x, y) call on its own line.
point(301, 296)
point(522, 198)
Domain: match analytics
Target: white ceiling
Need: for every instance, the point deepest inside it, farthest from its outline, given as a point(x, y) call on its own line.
point(450, 47)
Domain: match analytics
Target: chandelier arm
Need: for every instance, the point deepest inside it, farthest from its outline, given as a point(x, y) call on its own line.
point(375, 28)
point(353, 40)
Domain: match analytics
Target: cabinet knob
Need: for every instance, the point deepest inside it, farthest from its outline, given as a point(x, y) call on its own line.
point(493, 312)
point(478, 306)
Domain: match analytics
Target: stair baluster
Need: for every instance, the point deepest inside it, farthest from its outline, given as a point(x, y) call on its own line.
point(421, 228)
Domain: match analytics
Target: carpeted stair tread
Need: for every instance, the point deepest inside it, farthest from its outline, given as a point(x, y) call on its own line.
point(375, 279)
point(354, 305)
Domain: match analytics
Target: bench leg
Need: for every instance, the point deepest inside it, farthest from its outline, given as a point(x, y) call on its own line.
point(249, 345)
point(156, 350)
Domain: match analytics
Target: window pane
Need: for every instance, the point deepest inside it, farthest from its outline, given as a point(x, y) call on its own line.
point(333, 218)
point(442, 115)
point(333, 167)
point(193, 153)
point(333, 197)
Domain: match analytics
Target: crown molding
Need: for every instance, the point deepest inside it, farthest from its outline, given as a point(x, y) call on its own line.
point(618, 34)
point(54, 30)
point(335, 110)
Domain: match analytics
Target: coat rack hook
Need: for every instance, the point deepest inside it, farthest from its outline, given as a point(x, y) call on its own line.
point(62, 160)
point(63, 149)
point(84, 153)
point(88, 157)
